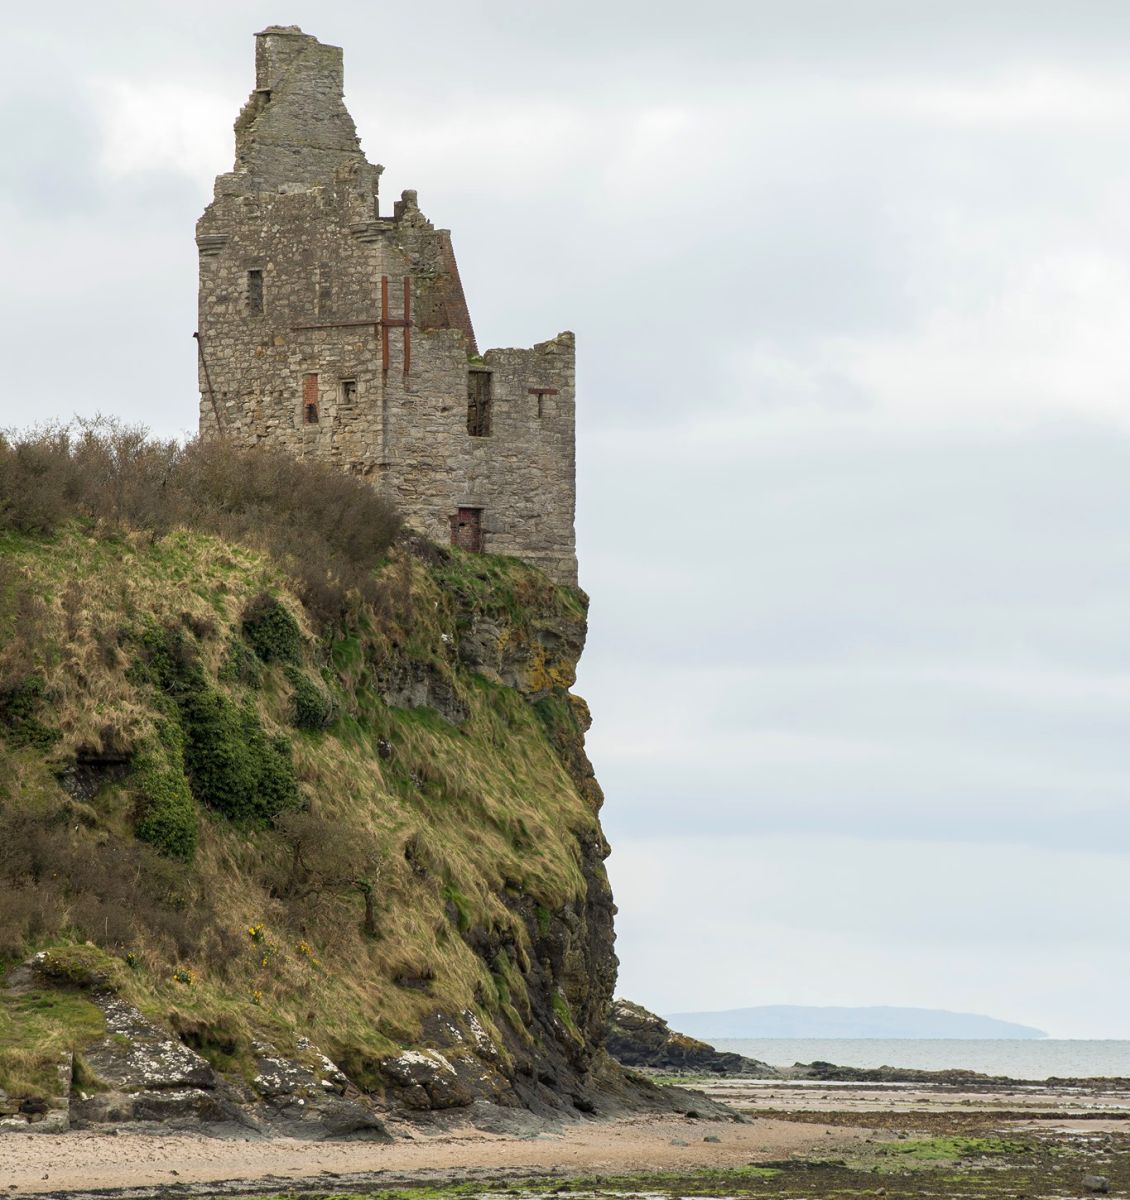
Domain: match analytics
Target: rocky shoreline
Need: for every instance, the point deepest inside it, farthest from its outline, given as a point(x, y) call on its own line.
point(645, 1042)
point(149, 1080)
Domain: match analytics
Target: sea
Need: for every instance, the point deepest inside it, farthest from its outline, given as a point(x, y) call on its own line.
point(1029, 1058)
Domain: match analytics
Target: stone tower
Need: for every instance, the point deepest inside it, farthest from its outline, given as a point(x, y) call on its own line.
point(334, 332)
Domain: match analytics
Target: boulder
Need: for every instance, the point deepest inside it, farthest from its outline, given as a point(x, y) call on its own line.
point(425, 1079)
point(136, 1055)
point(300, 1100)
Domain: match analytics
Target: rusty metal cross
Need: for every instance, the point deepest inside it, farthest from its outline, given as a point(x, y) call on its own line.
point(404, 322)
point(382, 323)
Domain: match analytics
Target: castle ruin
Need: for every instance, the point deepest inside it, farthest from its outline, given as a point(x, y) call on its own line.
point(335, 333)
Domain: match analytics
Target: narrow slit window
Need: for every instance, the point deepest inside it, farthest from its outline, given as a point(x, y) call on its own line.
point(255, 292)
point(478, 403)
point(349, 391)
point(310, 399)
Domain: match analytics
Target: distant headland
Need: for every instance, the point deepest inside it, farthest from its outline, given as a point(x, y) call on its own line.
point(800, 1021)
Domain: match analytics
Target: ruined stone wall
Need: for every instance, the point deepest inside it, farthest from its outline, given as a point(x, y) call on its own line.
point(301, 210)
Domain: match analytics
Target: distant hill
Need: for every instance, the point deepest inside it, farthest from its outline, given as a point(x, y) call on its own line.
point(797, 1021)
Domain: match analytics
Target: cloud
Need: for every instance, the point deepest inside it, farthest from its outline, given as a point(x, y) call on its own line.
point(157, 126)
point(1046, 98)
point(850, 285)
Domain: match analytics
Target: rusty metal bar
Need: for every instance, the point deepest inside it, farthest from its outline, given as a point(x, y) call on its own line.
point(341, 325)
point(384, 323)
point(407, 325)
point(208, 381)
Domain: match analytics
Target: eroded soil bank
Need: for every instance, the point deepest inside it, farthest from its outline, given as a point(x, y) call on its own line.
point(812, 1140)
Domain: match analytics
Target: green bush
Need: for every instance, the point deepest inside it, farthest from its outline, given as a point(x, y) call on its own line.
point(240, 665)
point(231, 763)
point(233, 766)
point(167, 815)
point(20, 704)
point(311, 706)
point(458, 907)
point(272, 630)
point(276, 782)
point(167, 660)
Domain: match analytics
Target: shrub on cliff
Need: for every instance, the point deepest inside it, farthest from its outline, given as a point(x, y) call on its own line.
point(23, 699)
point(233, 766)
point(329, 529)
point(21, 710)
point(167, 816)
point(272, 630)
point(55, 878)
point(312, 707)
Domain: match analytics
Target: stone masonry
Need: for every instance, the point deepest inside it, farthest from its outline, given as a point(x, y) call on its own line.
point(336, 333)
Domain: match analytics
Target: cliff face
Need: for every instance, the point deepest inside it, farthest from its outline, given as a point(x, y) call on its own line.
point(318, 878)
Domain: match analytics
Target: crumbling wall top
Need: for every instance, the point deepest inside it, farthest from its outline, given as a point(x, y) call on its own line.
point(295, 128)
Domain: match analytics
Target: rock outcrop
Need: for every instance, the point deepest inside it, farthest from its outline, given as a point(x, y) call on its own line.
point(638, 1038)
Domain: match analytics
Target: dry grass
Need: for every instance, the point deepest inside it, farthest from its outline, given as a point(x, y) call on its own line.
point(38, 1032)
point(396, 801)
point(327, 529)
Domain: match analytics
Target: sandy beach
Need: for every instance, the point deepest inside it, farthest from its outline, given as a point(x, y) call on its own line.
point(31, 1164)
point(783, 1123)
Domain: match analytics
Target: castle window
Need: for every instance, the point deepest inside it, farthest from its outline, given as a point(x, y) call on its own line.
point(310, 399)
point(467, 529)
point(349, 391)
point(255, 292)
point(478, 404)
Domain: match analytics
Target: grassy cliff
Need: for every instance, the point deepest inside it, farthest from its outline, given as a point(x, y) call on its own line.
point(339, 808)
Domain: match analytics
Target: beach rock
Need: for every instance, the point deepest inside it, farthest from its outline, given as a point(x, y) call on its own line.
point(136, 1055)
point(425, 1079)
point(638, 1038)
point(299, 1100)
point(330, 1118)
point(180, 1108)
point(149, 1076)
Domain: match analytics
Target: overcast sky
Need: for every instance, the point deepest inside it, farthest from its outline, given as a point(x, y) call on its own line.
point(851, 287)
